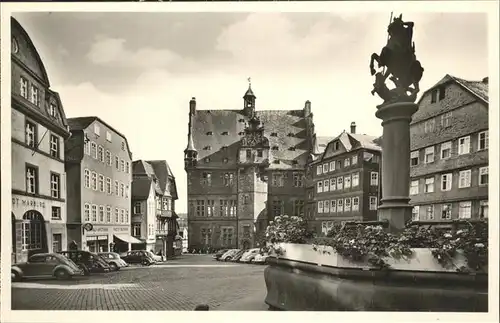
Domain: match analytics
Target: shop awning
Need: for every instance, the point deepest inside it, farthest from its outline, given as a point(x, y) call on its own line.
point(127, 238)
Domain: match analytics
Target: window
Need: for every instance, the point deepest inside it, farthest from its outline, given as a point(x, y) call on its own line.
point(86, 145)
point(298, 207)
point(93, 150)
point(333, 184)
point(414, 187)
point(429, 212)
point(225, 160)
point(340, 205)
point(117, 215)
point(23, 87)
point(126, 191)
point(464, 210)
point(31, 134)
point(86, 212)
point(86, 180)
point(225, 133)
point(446, 120)
point(248, 153)
point(442, 92)
point(101, 183)
point(123, 145)
point(97, 129)
point(108, 136)
point(94, 213)
point(55, 185)
point(336, 145)
point(35, 95)
point(122, 165)
point(206, 178)
point(200, 208)
point(446, 150)
point(429, 185)
point(101, 213)
point(259, 153)
point(347, 162)
point(56, 213)
point(31, 180)
point(347, 205)
point(347, 181)
point(339, 164)
point(325, 168)
point(122, 216)
point(429, 125)
point(483, 209)
point(137, 208)
point(355, 203)
point(483, 139)
point(227, 236)
point(320, 206)
point(228, 179)
point(127, 167)
point(136, 229)
point(108, 214)
point(446, 211)
point(333, 206)
point(332, 166)
point(224, 208)
point(446, 182)
point(464, 178)
point(326, 185)
point(429, 155)
point(298, 179)
point(108, 185)
point(100, 153)
point(108, 158)
point(354, 160)
point(126, 217)
point(464, 145)
point(374, 178)
point(326, 206)
point(415, 213)
point(319, 170)
point(232, 208)
point(54, 146)
point(117, 162)
point(483, 175)
point(122, 190)
point(277, 207)
point(206, 236)
point(117, 189)
point(210, 207)
point(434, 96)
point(373, 202)
point(320, 187)
point(340, 183)
point(414, 158)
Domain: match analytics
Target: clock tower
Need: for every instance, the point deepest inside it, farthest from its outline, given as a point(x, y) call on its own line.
point(249, 101)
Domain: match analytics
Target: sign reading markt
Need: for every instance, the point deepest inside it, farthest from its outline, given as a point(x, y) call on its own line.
point(16, 201)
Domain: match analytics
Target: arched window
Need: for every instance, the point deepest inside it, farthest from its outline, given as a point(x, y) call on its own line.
point(32, 230)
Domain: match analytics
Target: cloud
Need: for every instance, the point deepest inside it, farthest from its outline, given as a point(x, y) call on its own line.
point(112, 52)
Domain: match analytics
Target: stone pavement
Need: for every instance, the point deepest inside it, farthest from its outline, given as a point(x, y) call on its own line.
point(174, 285)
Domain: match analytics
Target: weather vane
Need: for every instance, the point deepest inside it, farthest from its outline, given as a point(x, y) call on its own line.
point(249, 81)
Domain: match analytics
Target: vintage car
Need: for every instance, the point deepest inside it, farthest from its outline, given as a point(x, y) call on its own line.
point(45, 265)
point(138, 257)
point(249, 255)
point(219, 254)
point(113, 259)
point(89, 262)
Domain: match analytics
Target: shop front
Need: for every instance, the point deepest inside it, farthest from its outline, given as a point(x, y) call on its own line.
point(37, 226)
point(104, 238)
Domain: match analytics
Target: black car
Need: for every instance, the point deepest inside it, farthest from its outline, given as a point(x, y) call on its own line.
point(89, 262)
point(138, 257)
point(238, 255)
point(219, 254)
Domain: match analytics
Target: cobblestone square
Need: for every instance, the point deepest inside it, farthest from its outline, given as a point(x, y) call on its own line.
point(174, 285)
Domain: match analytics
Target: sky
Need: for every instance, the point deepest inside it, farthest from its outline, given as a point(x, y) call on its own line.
point(138, 71)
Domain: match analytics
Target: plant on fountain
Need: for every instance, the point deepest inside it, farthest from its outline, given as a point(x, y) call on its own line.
point(288, 229)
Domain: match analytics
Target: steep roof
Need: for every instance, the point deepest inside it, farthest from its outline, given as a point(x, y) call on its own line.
point(141, 186)
point(214, 129)
point(353, 141)
point(82, 123)
point(157, 172)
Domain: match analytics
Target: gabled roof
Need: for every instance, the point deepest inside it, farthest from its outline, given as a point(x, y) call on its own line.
point(214, 129)
point(141, 187)
point(82, 123)
point(353, 141)
point(157, 172)
point(478, 89)
point(320, 144)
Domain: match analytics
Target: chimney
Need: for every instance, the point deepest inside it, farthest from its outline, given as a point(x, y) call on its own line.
point(307, 108)
point(192, 105)
point(353, 127)
point(485, 80)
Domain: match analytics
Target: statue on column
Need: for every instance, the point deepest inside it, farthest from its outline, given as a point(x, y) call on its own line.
point(403, 68)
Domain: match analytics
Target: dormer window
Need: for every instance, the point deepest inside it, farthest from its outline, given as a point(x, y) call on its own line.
point(336, 145)
point(207, 160)
point(276, 161)
point(241, 133)
point(225, 133)
point(290, 134)
point(207, 148)
point(291, 148)
point(225, 160)
point(209, 133)
point(274, 134)
point(52, 110)
point(438, 94)
point(123, 146)
point(224, 147)
point(275, 148)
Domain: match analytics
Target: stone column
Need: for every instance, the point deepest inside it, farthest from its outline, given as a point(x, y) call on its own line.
point(395, 200)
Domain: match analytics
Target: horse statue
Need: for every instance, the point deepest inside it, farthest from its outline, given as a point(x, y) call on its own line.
point(398, 56)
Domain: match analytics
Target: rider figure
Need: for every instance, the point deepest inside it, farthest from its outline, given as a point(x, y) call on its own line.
point(400, 35)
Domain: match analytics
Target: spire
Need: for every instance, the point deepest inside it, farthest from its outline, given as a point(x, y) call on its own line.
point(249, 92)
point(249, 100)
point(190, 153)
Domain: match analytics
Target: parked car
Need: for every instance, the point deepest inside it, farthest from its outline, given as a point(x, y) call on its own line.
point(249, 255)
point(228, 253)
point(156, 258)
point(138, 257)
point(235, 256)
point(89, 262)
point(260, 259)
point(219, 254)
point(113, 259)
point(45, 265)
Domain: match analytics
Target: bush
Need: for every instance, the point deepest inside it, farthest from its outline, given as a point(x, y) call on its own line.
point(287, 229)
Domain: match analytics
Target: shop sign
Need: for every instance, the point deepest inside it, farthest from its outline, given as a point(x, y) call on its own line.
point(100, 229)
point(120, 229)
point(16, 201)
